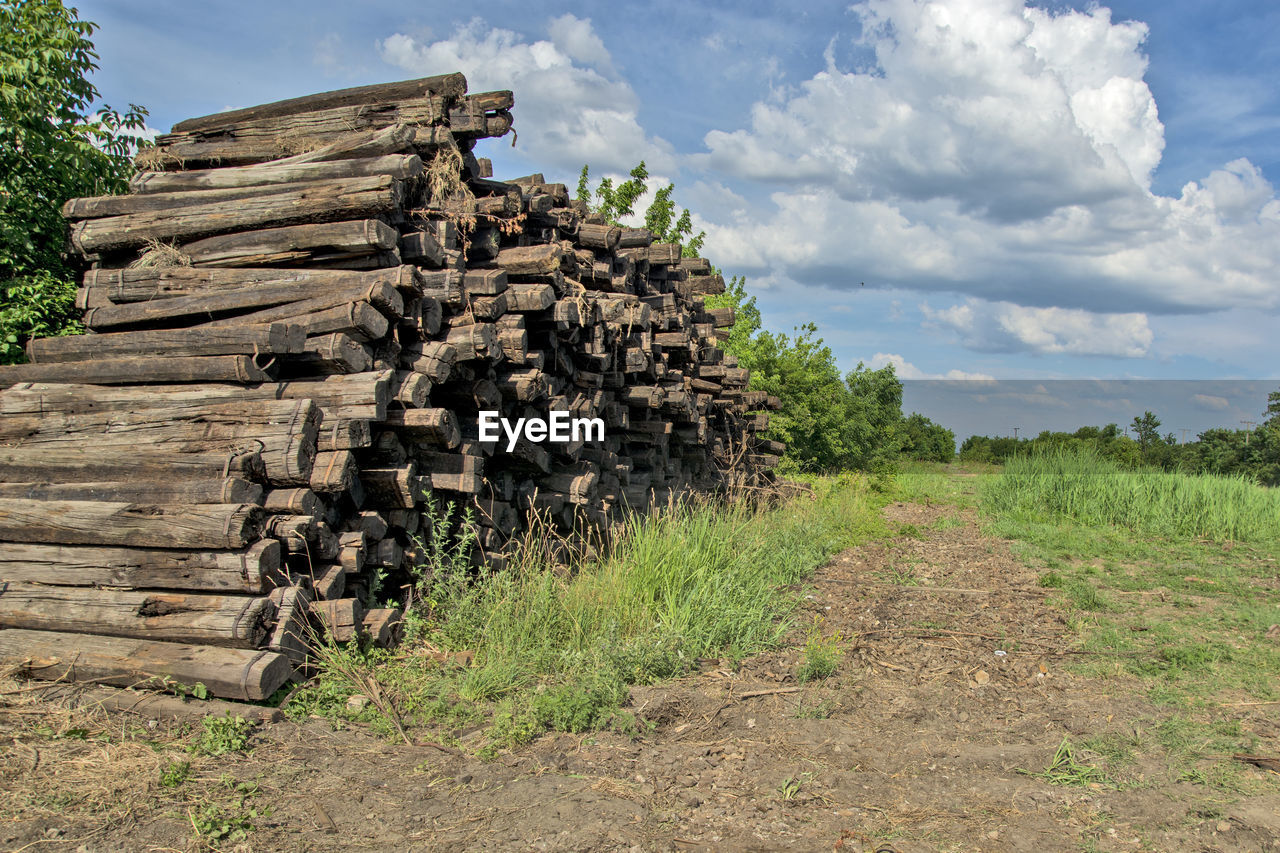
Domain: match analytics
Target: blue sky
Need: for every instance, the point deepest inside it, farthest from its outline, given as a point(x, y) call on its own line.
point(1044, 191)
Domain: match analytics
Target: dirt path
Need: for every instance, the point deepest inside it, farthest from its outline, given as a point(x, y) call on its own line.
point(954, 679)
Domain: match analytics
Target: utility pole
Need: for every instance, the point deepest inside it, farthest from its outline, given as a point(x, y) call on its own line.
point(1184, 431)
point(1015, 433)
point(1248, 427)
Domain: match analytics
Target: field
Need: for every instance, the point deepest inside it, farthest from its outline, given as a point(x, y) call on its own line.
point(1051, 657)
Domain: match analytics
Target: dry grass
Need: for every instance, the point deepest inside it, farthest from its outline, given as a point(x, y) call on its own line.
point(159, 255)
point(444, 177)
point(73, 765)
point(70, 777)
point(154, 158)
point(294, 142)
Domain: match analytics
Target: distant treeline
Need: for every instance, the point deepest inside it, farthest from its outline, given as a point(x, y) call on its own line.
point(1254, 454)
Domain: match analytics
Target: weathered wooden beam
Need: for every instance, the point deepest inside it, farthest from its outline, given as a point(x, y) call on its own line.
point(369, 388)
point(334, 472)
point(252, 571)
point(276, 338)
point(218, 151)
point(399, 166)
point(106, 287)
point(243, 674)
point(129, 524)
point(530, 260)
point(226, 490)
point(127, 371)
point(444, 85)
point(319, 201)
point(310, 242)
point(236, 621)
point(358, 320)
point(391, 487)
point(411, 389)
point(59, 464)
point(335, 353)
point(438, 426)
point(432, 359)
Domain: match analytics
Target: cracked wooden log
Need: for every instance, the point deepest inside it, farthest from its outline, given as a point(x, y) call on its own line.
point(243, 674)
point(122, 523)
point(236, 339)
point(236, 621)
point(252, 571)
point(320, 201)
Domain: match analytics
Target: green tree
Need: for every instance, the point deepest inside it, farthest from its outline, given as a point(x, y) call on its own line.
point(617, 202)
point(1147, 430)
point(1272, 413)
point(927, 441)
point(52, 148)
point(741, 337)
point(828, 422)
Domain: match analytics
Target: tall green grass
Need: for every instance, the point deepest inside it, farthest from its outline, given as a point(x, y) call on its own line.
point(1093, 491)
point(557, 648)
point(694, 581)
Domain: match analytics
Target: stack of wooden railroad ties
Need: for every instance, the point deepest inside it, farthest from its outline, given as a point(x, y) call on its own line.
point(294, 320)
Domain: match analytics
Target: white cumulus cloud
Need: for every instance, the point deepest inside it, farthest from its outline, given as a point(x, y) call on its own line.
point(906, 370)
point(1007, 327)
point(1004, 153)
point(571, 108)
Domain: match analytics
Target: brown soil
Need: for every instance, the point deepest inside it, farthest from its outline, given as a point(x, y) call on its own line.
point(916, 744)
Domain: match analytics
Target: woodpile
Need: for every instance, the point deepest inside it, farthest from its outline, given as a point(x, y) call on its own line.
point(296, 320)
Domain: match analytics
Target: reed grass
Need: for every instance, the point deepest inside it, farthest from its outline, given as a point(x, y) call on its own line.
point(1092, 491)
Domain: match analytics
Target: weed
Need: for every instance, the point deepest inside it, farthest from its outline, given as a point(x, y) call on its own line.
point(910, 531)
point(549, 646)
point(821, 711)
point(902, 575)
point(173, 774)
point(1096, 492)
point(1064, 769)
point(1086, 596)
point(231, 820)
point(821, 656)
point(793, 785)
point(223, 734)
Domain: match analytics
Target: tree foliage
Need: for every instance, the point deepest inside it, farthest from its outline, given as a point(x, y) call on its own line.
point(52, 148)
point(829, 422)
point(926, 441)
point(615, 203)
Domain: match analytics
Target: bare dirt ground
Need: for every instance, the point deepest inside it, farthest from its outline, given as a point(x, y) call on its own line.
point(955, 679)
